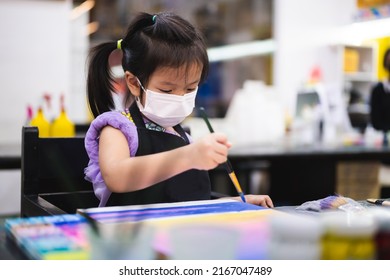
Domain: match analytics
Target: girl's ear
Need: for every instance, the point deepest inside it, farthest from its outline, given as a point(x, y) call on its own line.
point(132, 84)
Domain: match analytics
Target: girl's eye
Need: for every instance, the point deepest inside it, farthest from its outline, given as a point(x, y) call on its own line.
point(165, 91)
point(190, 89)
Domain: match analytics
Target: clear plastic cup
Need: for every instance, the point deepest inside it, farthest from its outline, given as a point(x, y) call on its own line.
point(203, 242)
point(123, 241)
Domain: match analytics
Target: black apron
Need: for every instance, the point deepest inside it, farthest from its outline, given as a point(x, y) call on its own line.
point(190, 185)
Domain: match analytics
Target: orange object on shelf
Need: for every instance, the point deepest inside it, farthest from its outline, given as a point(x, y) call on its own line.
point(371, 3)
point(351, 60)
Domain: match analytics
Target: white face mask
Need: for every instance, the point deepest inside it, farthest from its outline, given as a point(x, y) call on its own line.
point(167, 110)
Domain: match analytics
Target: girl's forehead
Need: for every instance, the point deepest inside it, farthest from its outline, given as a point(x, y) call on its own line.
point(192, 71)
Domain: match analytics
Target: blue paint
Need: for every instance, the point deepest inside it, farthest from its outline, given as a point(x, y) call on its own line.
point(174, 211)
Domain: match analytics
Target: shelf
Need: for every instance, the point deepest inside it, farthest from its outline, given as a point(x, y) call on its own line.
point(359, 77)
point(358, 67)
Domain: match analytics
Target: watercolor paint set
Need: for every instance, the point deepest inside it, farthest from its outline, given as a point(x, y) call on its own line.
point(50, 237)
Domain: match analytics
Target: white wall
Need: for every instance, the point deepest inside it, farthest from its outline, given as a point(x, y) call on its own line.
point(79, 46)
point(302, 30)
point(34, 58)
point(41, 50)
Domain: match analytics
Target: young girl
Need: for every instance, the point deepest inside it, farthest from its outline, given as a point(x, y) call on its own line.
point(143, 155)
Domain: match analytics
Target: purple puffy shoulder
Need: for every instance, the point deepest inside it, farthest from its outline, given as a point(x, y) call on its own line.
point(116, 120)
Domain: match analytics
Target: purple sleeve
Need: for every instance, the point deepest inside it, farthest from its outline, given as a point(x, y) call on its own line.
point(92, 171)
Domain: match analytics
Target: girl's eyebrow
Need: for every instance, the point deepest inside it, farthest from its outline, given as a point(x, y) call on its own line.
point(166, 83)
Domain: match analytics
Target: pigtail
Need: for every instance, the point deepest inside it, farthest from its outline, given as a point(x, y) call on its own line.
point(100, 79)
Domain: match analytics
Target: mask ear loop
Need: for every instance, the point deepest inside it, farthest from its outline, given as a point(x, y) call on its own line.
point(142, 91)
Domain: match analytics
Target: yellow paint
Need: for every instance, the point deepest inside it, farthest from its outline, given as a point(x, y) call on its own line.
point(336, 247)
point(68, 255)
point(233, 218)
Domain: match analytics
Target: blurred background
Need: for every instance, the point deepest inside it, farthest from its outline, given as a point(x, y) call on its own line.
point(278, 67)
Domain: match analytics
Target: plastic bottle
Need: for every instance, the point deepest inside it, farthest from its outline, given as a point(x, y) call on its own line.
point(294, 237)
point(47, 106)
point(382, 236)
point(348, 236)
point(42, 123)
point(62, 126)
point(29, 115)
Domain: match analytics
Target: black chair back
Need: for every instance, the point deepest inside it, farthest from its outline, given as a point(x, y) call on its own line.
point(53, 175)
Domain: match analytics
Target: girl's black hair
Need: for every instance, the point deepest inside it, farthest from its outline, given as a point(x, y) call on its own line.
point(151, 41)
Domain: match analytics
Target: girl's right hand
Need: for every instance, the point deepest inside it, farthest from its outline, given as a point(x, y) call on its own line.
point(209, 151)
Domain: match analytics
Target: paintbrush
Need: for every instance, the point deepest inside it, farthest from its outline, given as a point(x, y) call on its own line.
point(227, 164)
point(383, 202)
